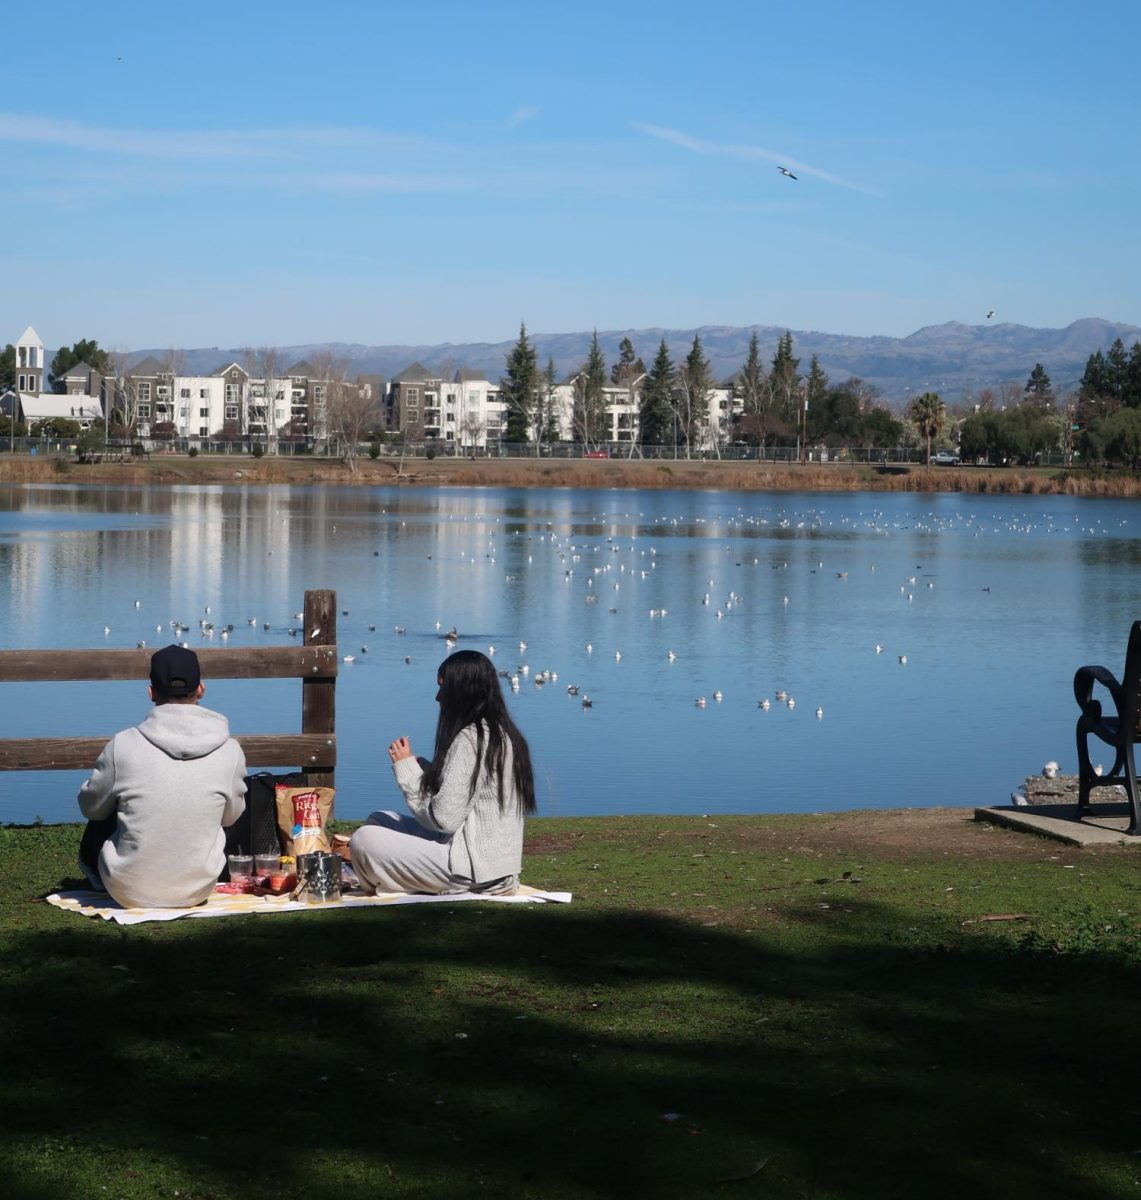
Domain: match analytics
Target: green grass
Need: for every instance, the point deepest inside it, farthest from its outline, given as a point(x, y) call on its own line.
point(719, 995)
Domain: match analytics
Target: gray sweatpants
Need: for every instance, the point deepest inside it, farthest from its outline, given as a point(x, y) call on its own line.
point(393, 852)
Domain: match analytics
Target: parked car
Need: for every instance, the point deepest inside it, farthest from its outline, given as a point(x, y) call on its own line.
point(945, 458)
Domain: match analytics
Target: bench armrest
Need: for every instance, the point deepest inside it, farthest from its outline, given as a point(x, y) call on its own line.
point(1085, 678)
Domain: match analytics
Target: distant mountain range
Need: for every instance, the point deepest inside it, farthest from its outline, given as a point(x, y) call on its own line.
point(951, 359)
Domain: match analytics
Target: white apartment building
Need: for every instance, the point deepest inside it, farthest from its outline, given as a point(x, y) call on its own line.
point(465, 411)
point(227, 404)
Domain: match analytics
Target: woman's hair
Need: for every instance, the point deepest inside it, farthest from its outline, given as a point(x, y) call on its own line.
point(470, 695)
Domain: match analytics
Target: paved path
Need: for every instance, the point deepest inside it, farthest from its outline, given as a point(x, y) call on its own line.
point(1102, 825)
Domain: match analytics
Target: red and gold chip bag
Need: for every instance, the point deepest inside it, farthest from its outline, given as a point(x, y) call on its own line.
point(302, 814)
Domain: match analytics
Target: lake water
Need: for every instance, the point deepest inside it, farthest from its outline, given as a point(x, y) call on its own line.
point(994, 601)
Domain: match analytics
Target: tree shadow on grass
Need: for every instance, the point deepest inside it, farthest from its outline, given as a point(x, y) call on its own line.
point(559, 1052)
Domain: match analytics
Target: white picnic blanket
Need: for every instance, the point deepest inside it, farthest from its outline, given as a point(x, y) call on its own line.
point(221, 904)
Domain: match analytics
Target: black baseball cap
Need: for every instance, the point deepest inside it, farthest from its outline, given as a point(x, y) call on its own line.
point(175, 672)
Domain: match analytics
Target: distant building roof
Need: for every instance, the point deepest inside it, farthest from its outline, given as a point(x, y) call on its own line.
point(301, 370)
point(416, 373)
point(149, 366)
point(46, 405)
point(470, 375)
point(230, 366)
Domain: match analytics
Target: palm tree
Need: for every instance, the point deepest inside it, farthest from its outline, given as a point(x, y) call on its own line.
point(927, 414)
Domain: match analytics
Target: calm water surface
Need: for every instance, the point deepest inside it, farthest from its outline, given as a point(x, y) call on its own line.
point(992, 600)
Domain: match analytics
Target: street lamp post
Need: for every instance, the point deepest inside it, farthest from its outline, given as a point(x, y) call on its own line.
point(804, 444)
point(10, 396)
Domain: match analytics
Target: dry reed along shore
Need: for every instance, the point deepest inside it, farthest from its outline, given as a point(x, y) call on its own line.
point(694, 474)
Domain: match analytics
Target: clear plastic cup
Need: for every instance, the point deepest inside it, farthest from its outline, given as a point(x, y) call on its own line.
point(241, 868)
point(266, 865)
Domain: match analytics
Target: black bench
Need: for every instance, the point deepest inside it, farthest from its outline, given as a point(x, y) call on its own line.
point(1118, 728)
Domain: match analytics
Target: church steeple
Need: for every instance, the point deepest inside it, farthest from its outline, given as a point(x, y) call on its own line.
point(30, 366)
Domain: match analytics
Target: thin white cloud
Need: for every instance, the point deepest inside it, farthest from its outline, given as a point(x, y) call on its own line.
point(749, 154)
point(187, 144)
point(525, 112)
point(61, 183)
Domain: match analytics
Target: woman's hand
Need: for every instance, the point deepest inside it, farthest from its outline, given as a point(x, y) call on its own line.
point(400, 748)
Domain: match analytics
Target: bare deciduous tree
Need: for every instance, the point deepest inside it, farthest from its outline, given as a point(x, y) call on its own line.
point(126, 391)
point(350, 409)
point(473, 430)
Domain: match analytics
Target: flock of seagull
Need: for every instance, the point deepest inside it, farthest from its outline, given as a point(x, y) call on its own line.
point(571, 555)
point(618, 562)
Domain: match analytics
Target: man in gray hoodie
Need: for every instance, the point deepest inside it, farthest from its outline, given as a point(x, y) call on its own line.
point(161, 794)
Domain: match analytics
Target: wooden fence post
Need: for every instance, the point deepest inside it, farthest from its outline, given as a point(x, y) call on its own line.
point(319, 694)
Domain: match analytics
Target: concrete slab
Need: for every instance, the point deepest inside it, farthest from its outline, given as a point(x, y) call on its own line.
point(1102, 824)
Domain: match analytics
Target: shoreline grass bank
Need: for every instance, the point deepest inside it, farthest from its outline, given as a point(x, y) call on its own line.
point(849, 1006)
point(703, 474)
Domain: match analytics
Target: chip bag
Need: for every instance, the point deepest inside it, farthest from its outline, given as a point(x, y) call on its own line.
point(302, 814)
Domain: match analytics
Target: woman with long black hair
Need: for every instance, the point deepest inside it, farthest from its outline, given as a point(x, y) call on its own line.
point(468, 804)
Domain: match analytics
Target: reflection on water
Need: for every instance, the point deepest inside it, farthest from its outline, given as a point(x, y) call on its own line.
point(648, 602)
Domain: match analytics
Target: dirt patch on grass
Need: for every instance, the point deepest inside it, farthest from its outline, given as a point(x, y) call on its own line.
point(888, 835)
point(894, 834)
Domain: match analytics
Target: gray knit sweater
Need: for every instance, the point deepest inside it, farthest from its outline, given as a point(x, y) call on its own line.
point(173, 782)
point(486, 841)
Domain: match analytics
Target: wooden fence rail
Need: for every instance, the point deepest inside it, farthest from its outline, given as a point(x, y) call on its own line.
point(315, 663)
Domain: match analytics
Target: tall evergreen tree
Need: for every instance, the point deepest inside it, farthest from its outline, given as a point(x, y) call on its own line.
point(1095, 378)
point(816, 389)
point(751, 379)
point(786, 380)
point(657, 413)
point(1038, 389)
point(8, 368)
point(1117, 368)
point(591, 420)
point(755, 393)
point(628, 367)
point(694, 385)
point(1132, 395)
point(518, 387)
point(1096, 392)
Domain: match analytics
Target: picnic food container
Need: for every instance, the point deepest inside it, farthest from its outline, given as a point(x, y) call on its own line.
point(318, 878)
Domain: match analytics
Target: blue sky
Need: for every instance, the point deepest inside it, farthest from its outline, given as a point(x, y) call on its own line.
point(246, 174)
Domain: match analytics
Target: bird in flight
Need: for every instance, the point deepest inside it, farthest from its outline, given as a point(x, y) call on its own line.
point(989, 313)
point(786, 171)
